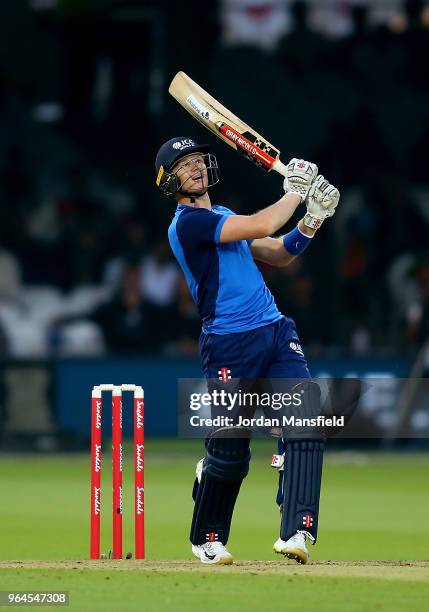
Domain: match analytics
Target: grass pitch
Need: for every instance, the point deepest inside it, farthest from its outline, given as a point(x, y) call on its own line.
point(371, 552)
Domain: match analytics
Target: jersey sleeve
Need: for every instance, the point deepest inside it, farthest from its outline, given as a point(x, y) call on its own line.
point(199, 225)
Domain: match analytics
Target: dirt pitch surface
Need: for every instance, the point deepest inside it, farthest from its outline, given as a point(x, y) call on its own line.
point(396, 570)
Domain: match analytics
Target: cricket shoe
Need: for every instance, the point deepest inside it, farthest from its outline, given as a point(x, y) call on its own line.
point(213, 553)
point(294, 548)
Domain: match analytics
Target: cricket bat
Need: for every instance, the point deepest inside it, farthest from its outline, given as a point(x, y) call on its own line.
point(225, 125)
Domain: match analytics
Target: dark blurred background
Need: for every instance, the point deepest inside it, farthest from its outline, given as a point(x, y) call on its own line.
point(89, 291)
point(85, 267)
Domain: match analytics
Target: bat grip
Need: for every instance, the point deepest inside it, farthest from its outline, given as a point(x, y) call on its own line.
point(279, 167)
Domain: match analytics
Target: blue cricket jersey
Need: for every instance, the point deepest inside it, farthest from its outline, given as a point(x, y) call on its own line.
point(224, 280)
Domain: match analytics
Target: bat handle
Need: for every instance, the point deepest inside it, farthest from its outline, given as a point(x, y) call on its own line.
point(279, 167)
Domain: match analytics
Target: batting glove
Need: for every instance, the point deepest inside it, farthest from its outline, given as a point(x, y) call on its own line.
point(300, 176)
point(321, 202)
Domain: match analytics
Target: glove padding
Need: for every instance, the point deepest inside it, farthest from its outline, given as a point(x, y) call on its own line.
point(322, 200)
point(300, 176)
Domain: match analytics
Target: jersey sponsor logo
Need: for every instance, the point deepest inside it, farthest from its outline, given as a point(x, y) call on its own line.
point(198, 108)
point(224, 374)
point(296, 347)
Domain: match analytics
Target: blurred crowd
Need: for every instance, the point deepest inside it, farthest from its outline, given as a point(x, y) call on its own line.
point(85, 267)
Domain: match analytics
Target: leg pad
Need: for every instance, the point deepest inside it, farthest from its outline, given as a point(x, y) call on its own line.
point(225, 467)
point(302, 482)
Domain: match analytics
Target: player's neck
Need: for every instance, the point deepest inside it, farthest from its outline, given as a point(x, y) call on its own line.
point(202, 201)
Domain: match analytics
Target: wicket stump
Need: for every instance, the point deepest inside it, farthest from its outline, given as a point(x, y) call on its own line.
point(117, 460)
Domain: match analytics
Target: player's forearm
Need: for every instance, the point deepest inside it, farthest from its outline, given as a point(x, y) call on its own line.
point(295, 242)
point(273, 217)
point(263, 223)
point(285, 258)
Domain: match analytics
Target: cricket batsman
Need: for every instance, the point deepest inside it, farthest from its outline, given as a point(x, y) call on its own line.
point(244, 334)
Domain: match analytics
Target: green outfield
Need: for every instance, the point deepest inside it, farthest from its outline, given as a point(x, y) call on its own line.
point(374, 508)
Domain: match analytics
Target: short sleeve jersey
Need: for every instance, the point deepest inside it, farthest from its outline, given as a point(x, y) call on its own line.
point(224, 280)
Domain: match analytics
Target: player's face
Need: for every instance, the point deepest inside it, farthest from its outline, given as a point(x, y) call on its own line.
point(192, 173)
